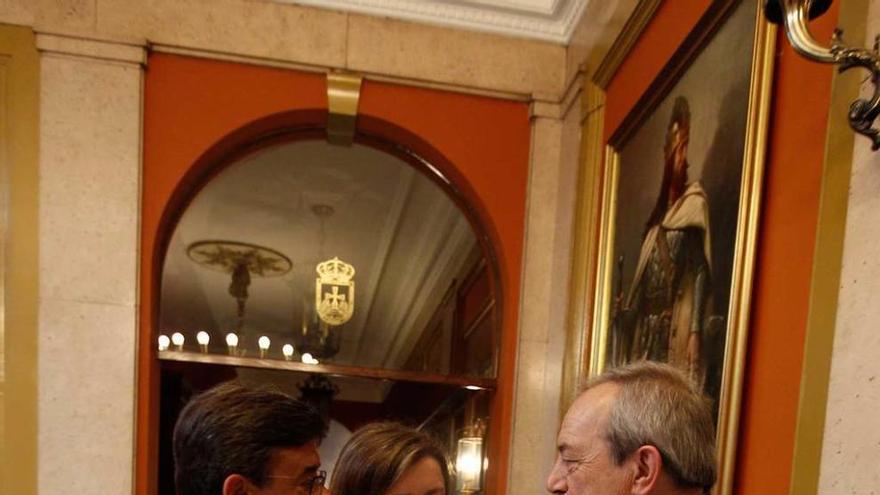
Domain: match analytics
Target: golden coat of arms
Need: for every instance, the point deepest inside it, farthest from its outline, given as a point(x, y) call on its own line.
point(334, 291)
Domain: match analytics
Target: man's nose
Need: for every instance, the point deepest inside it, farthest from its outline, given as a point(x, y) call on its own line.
point(556, 480)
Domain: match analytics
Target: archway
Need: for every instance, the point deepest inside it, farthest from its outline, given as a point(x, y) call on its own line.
point(176, 166)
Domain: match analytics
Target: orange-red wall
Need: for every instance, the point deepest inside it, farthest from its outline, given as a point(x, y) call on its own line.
point(667, 29)
point(801, 95)
point(195, 110)
point(796, 150)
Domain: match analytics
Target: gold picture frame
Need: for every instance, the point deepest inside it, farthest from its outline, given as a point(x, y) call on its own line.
point(599, 273)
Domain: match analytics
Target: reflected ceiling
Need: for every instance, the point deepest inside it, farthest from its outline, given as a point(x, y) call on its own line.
point(405, 237)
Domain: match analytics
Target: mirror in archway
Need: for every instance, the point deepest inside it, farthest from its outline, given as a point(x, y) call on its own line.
point(349, 267)
point(345, 256)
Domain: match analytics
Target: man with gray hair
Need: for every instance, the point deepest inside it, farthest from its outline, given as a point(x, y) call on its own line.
point(641, 429)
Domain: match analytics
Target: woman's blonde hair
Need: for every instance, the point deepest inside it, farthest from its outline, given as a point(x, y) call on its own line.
point(377, 455)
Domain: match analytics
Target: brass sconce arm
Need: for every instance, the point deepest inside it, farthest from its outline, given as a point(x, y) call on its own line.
point(794, 14)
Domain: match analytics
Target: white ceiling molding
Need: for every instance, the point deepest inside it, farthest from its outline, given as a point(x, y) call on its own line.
point(547, 20)
point(543, 7)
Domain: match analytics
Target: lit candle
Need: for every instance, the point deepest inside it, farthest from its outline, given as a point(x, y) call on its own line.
point(264, 343)
point(232, 343)
point(178, 339)
point(204, 339)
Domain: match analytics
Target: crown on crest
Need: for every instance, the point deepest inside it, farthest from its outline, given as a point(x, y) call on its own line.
point(335, 271)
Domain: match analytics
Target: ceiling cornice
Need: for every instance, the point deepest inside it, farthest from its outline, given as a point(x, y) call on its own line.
point(552, 20)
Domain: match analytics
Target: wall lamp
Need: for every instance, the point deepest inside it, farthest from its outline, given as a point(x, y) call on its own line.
point(793, 15)
point(469, 459)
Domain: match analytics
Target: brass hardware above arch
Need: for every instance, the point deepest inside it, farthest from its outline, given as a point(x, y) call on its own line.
point(343, 94)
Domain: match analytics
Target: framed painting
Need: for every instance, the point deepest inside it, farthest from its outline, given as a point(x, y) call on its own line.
point(678, 210)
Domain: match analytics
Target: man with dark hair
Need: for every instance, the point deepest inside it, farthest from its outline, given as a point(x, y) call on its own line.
point(233, 440)
point(642, 429)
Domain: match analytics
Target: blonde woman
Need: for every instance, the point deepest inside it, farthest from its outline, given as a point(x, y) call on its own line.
point(391, 459)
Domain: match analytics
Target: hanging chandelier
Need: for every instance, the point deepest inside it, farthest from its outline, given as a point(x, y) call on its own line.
point(334, 300)
point(242, 261)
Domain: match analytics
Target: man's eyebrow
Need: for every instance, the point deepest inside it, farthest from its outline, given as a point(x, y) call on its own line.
point(310, 470)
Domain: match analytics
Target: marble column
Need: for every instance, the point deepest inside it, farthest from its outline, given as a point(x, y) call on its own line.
point(543, 308)
point(89, 190)
point(851, 440)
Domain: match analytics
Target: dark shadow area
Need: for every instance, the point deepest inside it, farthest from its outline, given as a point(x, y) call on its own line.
point(722, 180)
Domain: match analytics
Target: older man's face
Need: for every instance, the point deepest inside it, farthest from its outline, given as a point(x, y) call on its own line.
point(584, 465)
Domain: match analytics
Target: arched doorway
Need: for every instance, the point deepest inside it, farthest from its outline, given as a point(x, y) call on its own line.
point(181, 160)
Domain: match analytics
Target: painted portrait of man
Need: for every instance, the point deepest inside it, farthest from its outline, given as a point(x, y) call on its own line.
point(662, 317)
point(677, 209)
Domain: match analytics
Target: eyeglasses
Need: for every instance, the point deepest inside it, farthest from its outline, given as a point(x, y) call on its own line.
point(315, 485)
point(318, 483)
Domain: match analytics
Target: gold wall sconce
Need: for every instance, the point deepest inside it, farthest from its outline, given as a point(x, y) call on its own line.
point(793, 16)
point(469, 459)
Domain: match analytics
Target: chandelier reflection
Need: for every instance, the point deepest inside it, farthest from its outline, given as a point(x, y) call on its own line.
point(316, 339)
point(241, 261)
point(334, 301)
point(333, 304)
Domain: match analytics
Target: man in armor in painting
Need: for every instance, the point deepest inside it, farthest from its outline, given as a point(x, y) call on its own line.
point(662, 318)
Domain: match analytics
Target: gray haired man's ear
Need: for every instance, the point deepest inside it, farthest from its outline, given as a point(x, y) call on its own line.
point(647, 464)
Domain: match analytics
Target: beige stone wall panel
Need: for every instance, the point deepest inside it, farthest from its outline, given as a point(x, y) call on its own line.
point(79, 47)
point(306, 36)
point(478, 60)
point(852, 430)
point(253, 28)
point(550, 209)
point(89, 181)
point(595, 33)
point(70, 16)
point(578, 49)
point(19, 12)
point(542, 207)
point(86, 411)
point(90, 132)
